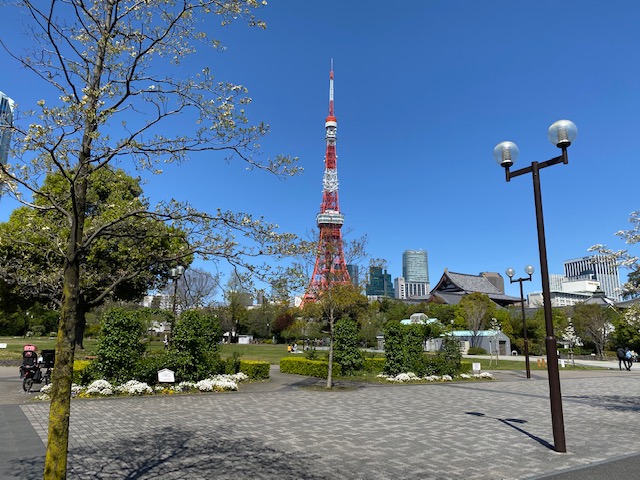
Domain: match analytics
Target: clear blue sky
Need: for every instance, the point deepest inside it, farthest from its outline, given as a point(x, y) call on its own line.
point(423, 92)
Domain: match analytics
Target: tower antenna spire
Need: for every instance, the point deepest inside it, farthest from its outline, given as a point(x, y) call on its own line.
point(330, 268)
point(331, 114)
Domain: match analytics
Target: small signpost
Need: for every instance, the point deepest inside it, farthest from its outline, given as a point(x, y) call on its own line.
point(166, 376)
point(476, 367)
point(3, 345)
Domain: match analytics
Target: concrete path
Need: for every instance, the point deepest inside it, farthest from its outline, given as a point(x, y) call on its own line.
point(290, 429)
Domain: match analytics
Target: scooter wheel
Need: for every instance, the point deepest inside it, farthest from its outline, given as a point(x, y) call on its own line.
point(27, 384)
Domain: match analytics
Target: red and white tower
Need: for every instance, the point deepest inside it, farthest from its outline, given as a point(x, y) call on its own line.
point(330, 267)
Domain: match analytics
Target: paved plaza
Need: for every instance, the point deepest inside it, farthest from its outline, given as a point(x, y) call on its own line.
point(287, 429)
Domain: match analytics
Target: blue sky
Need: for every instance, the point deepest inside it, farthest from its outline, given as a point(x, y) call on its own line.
point(423, 92)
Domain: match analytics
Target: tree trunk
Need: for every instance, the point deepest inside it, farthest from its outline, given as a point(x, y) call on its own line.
point(60, 408)
point(55, 466)
point(81, 323)
point(330, 367)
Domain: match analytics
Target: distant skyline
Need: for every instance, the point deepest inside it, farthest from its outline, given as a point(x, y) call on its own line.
point(423, 93)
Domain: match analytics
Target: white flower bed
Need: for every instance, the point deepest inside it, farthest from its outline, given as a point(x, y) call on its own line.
point(134, 387)
point(412, 377)
point(99, 387)
point(217, 383)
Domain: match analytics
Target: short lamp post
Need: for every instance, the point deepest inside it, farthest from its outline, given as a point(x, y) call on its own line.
point(175, 273)
point(561, 134)
point(510, 273)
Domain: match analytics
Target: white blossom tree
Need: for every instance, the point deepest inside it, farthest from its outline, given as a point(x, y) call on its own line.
point(624, 258)
point(117, 72)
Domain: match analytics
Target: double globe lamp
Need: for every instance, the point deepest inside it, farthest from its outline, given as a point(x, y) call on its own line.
point(561, 134)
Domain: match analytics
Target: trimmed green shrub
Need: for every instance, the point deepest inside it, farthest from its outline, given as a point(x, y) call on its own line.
point(451, 355)
point(255, 370)
point(193, 351)
point(119, 347)
point(476, 351)
point(148, 366)
point(394, 352)
point(84, 372)
point(403, 348)
point(232, 364)
point(346, 351)
point(374, 365)
point(309, 368)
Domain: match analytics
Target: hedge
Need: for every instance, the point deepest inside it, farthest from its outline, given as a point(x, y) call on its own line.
point(374, 365)
point(308, 368)
point(254, 369)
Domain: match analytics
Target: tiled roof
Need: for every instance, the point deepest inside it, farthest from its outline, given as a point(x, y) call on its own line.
point(473, 283)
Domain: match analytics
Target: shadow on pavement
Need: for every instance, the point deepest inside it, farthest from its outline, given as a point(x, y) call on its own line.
point(510, 422)
point(179, 453)
point(619, 403)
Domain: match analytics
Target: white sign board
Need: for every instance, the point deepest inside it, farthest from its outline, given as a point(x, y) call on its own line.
point(476, 367)
point(3, 345)
point(166, 376)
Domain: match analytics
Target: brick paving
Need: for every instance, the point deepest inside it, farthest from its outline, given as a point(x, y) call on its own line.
point(286, 429)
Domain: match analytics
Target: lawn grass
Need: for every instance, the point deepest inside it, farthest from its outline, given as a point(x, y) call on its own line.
point(263, 352)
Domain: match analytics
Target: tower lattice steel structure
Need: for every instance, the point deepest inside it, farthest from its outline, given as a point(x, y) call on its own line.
point(330, 267)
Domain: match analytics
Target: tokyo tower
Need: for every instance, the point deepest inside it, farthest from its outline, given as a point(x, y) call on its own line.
point(330, 267)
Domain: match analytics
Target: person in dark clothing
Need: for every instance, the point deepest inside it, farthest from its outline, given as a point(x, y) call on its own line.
point(621, 358)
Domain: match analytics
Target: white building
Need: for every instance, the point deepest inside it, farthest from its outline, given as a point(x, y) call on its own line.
point(596, 267)
point(415, 290)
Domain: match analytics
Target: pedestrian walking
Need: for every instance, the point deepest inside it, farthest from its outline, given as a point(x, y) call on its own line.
point(628, 357)
point(621, 358)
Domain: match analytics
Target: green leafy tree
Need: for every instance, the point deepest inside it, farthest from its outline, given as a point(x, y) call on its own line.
point(347, 350)
point(476, 309)
point(122, 264)
point(627, 328)
point(595, 323)
point(119, 345)
point(118, 75)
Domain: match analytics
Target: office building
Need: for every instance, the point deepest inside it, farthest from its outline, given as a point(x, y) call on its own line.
point(354, 274)
point(6, 120)
point(415, 266)
point(596, 267)
point(379, 283)
point(414, 283)
point(410, 290)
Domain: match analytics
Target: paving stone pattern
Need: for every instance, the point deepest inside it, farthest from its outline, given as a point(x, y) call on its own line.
point(472, 430)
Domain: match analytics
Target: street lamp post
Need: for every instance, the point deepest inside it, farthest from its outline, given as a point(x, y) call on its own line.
point(175, 273)
point(561, 134)
point(510, 273)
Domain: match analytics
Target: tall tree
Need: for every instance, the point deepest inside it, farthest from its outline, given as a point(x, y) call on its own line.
point(126, 261)
point(337, 302)
point(594, 322)
point(476, 309)
point(116, 67)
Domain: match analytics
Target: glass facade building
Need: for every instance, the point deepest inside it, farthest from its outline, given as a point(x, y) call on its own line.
point(379, 283)
point(415, 266)
point(6, 120)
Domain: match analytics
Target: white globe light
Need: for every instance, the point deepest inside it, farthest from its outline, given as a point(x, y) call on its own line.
point(506, 153)
point(562, 133)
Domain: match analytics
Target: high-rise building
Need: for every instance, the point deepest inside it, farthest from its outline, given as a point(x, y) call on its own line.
point(6, 120)
point(415, 266)
point(414, 282)
point(379, 283)
point(354, 274)
point(596, 267)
